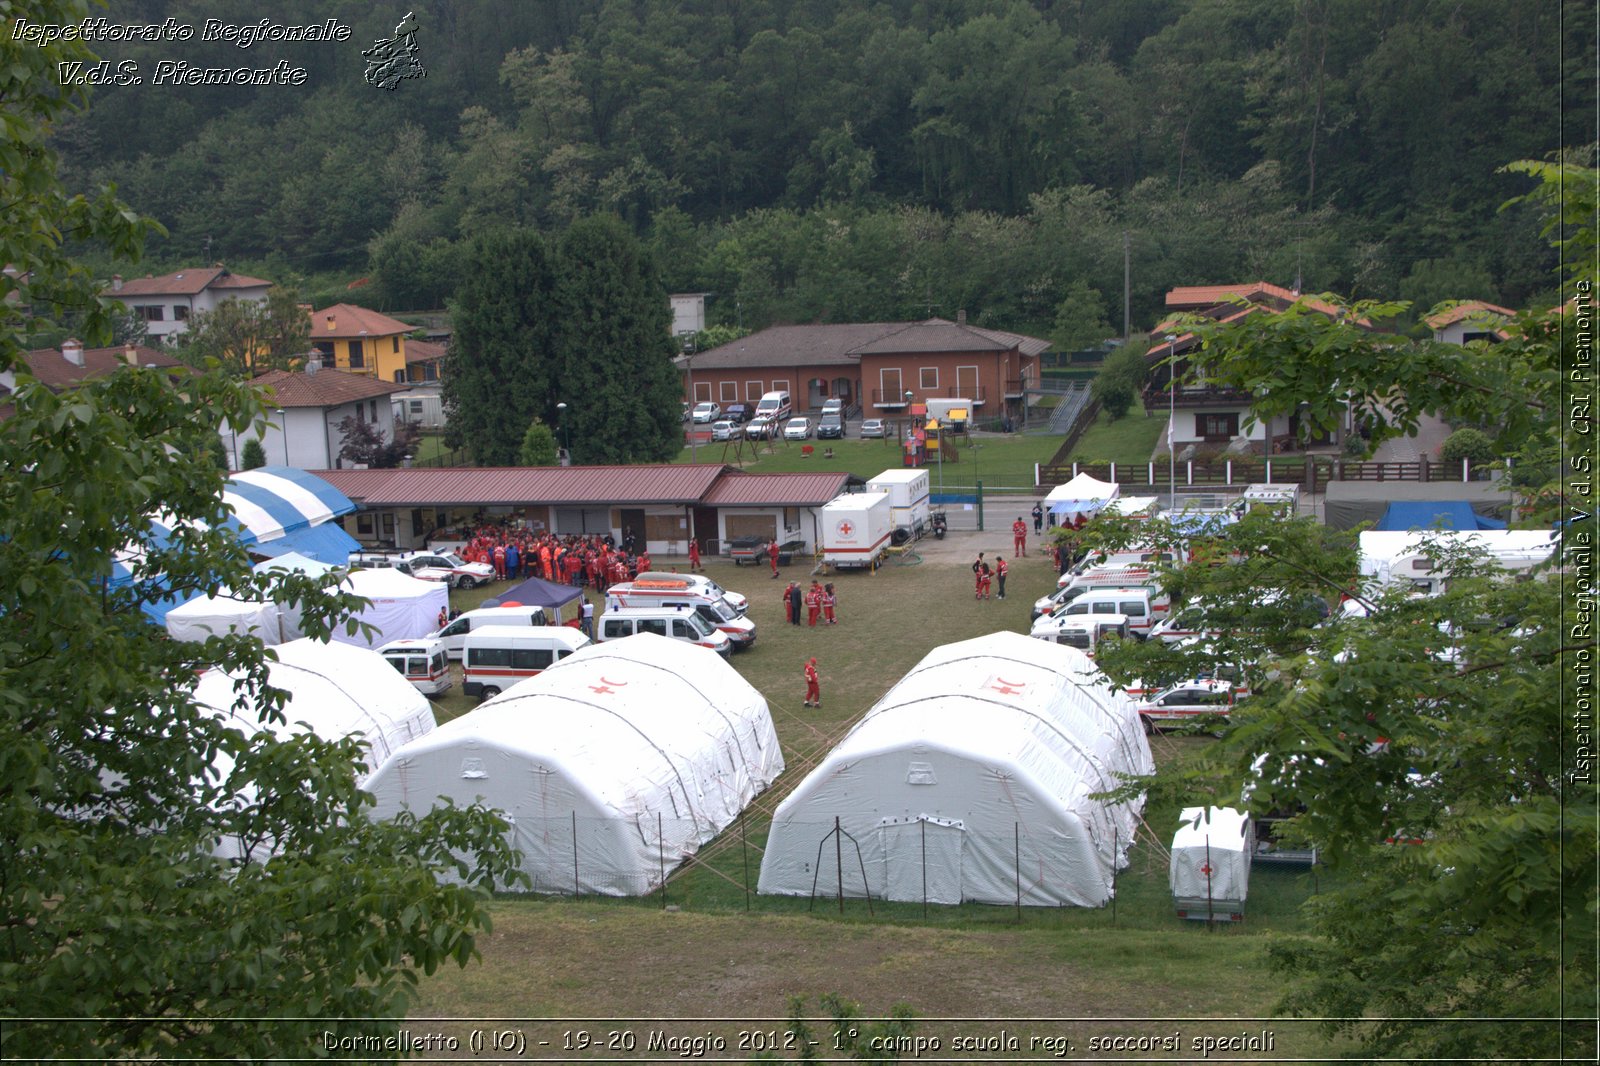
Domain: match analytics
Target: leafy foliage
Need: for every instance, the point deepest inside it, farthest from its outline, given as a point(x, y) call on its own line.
point(539, 446)
point(1120, 381)
point(365, 443)
point(252, 455)
point(250, 336)
point(118, 792)
point(1467, 443)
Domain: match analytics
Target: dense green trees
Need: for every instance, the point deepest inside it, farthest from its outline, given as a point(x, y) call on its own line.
point(1373, 133)
point(126, 926)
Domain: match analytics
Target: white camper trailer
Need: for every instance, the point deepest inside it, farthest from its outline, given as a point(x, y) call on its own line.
point(908, 498)
point(1210, 869)
point(855, 529)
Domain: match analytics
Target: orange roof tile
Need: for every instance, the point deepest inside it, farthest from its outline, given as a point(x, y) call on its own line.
point(325, 388)
point(1481, 309)
point(187, 282)
point(56, 371)
point(666, 483)
point(342, 321)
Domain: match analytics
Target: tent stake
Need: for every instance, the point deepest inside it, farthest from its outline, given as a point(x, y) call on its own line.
point(924, 824)
point(1016, 839)
point(575, 892)
point(838, 859)
point(661, 858)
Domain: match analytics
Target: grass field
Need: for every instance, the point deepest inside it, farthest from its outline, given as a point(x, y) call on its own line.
point(1130, 440)
point(700, 953)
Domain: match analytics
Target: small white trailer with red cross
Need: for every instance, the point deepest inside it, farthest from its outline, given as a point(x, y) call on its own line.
point(854, 529)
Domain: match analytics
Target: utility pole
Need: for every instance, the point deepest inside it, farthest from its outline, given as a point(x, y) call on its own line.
point(1127, 286)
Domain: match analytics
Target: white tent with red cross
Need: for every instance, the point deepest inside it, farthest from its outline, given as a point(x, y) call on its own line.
point(611, 767)
point(972, 779)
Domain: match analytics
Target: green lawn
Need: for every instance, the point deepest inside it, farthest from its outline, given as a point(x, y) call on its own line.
point(1131, 439)
point(1000, 460)
point(631, 958)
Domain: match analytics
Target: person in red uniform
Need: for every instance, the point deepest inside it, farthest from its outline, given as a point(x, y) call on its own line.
point(1019, 537)
point(985, 576)
point(813, 687)
point(1000, 571)
point(788, 602)
point(829, 602)
point(500, 562)
point(813, 603)
point(772, 553)
point(694, 556)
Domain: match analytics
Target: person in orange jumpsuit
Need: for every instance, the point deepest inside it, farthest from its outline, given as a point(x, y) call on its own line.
point(1019, 537)
point(813, 603)
point(813, 685)
point(694, 556)
point(772, 553)
point(829, 602)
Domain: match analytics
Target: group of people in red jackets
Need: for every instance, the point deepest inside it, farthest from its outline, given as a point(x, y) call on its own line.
point(591, 561)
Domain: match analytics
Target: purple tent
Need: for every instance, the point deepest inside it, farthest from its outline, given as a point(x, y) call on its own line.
point(537, 592)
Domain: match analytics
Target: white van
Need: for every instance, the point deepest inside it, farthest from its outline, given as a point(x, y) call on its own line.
point(679, 623)
point(1139, 604)
point(423, 662)
point(739, 603)
point(497, 657)
point(1086, 632)
point(1134, 558)
point(675, 592)
point(454, 635)
point(774, 405)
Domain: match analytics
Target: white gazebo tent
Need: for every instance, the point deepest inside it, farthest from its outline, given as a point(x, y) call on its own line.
point(1210, 868)
point(335, 691)
point(1082, 497)
point(611, 767)
point(970, 780)
point(402, 606)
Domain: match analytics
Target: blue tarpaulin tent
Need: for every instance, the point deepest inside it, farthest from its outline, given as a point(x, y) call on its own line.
point(1444, 514)
point(537, 592)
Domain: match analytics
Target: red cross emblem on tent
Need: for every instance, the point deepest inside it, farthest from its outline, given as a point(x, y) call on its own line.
point(846, 528)
point(604, 682)
point(1007, 688)
point(1205, 868)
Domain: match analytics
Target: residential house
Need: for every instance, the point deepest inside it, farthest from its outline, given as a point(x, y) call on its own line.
point(422, 402)
point(60, 368)
point(303, 415)
point(361, 341)
point(166, 303)
point(885, 367)
point(1471, 320)
point(1204, 413)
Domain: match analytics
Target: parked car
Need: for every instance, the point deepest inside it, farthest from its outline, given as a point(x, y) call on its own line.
point(832, 405)
point(724, 430)
point(830, 426)
point(760, 428)
point(1190, 700)
point(873, 427)
point(797, 428)
point(448, 567)
point(706, 411)
point(737, 413)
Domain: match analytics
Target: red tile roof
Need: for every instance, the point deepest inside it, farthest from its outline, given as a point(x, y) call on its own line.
point(423, 351)
point(667, 483)
point(1201, 297)
point(788, 346)
point(56, 371)
point(1480, 310)
point(326, 388)
point(738, 489)
point(348, 320)
point(187, 282)
point(942, 335)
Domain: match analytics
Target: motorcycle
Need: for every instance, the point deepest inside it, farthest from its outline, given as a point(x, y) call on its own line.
point(939, 525)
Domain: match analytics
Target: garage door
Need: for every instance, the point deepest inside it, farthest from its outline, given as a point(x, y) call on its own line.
point(751, 525)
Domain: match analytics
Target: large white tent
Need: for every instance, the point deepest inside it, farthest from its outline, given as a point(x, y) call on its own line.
point(402, 606)
point(335, 691)
point(274, 623)
point(1082, 497)
point(612, 766)
point(970, 780)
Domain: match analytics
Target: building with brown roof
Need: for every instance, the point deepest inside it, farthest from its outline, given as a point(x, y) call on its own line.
point(304, 410)
point(166, 303)
point(884, 367)
point(1471, 320)
point(358, 340)
point(63, 367)
point(666, 503)
point(1203, 413)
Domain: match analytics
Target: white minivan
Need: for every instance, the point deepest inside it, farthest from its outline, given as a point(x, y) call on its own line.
point(497, 657)
point(454, 635)
point(1142, 605)
point(676, 592)
point(422, 662)
point(679, 623)
point(774, 405)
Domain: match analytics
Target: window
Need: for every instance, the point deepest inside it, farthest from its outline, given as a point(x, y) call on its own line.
point(1133, 609)
point(615, 628)
point(658, 626)
point(531, 658)
point(889, 385)
point(397, 661)
point(151, 312)
point(489, 657)
point(418, 665)
point(702, 392)
point(780, 386)
point(680, 629)
point(415, 406)
point(728, 391)
point(358, 357)
point(396, 340)
point(180, 313)
point(1216, 426)
point(388, 523)
point(364, 525)
point(372, 407)
point(457, 628)
point(928, 377)
point(430, 372)
point(752, 392)
point(325, 348)
point(967, 386)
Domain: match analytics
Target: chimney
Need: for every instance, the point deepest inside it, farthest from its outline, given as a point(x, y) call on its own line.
point(961, 317)
point(330, 323)
point(130, 354)
point(72, 351)
point(313, 365)
point(116, 283)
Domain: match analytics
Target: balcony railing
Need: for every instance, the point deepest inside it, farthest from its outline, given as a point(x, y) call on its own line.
point(1016, 388)
point(888, 398)
point(976, 393)
point(1196, 396)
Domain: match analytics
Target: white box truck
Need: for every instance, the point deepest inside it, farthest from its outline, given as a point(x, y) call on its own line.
point(855, 529)
point(908, 499)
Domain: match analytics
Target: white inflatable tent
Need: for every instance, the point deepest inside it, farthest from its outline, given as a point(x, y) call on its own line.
point(402, 606)
point(970, 780)
point(1082, 497)
point(206, 616)
point(612, 766)
point(335, 691)
point(1210, 869)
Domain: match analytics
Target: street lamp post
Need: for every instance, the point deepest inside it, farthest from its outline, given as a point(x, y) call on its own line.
point(1172, 409)
point(283, 428)
point(566, 438)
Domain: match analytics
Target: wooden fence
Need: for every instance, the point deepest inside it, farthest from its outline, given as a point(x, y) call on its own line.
point(1241, 472)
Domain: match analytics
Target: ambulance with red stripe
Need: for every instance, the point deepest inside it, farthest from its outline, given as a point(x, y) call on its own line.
point(672, 591)
point(497, 657)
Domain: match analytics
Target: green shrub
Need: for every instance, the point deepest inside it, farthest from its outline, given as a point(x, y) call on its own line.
point(252, 455)
point(1469, 444)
